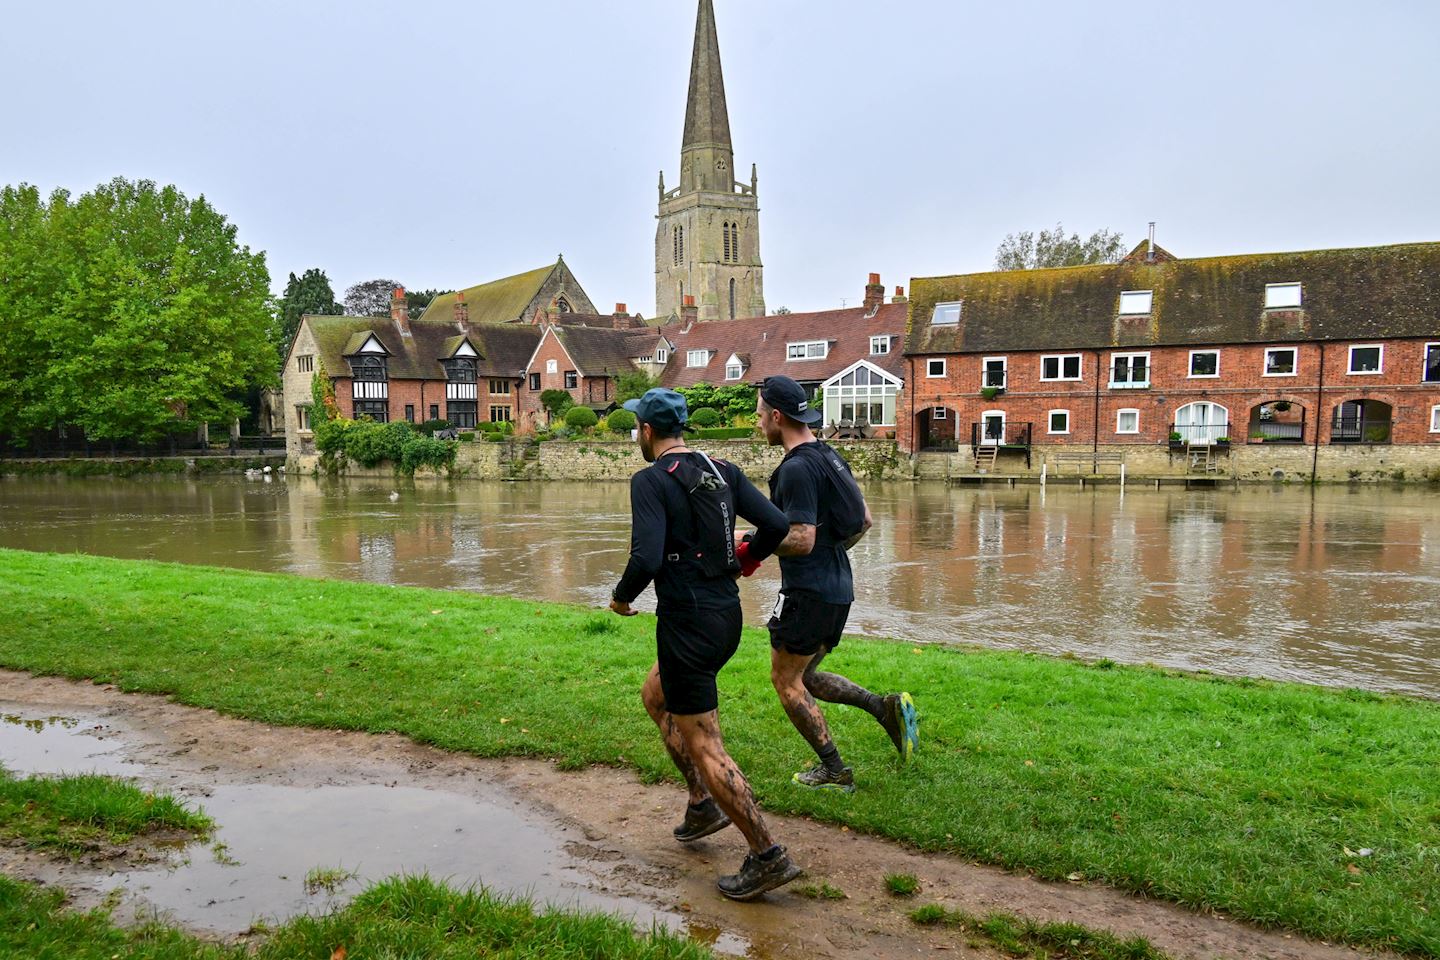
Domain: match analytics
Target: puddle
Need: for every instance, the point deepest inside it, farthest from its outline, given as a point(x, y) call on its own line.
point(269, 838)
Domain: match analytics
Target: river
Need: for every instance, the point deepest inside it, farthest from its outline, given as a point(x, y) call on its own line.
point(1338, 586)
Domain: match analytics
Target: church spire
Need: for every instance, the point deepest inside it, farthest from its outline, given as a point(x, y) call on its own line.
point(706, 153)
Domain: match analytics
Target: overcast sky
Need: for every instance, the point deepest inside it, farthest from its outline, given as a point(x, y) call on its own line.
point(445, 144)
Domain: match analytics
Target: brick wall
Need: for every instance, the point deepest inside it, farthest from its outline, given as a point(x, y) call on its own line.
point(1240, 388)
point(588, 391)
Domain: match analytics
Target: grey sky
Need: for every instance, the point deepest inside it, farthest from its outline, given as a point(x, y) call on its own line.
point(444, 144)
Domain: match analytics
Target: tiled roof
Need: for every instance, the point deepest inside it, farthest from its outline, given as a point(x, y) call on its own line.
point(504, 348)
point(1368, 293)
point(763, 341)
point(598, 351)
point(499, 301)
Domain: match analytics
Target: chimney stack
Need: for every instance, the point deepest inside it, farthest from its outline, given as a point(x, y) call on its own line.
point(874, 294)
point(689, 313)
point(900, 296)
point(1150, 252)
point(400, 311)
point(462, 312)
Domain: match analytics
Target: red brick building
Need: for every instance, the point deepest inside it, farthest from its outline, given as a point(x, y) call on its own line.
point(584, 354)
point(1330, 347)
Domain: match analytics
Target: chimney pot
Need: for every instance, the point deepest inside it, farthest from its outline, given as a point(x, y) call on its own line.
point(874, 294)
point(622, 310)
point(400, 311)
point(874, 278)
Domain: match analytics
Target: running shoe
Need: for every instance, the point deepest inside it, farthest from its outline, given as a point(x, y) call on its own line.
point(818, 778)
point(760, 872)
point(701, 820)
point(902, 723)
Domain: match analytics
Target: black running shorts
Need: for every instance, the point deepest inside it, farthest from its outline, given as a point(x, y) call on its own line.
point(804, 625)
point(691, 647)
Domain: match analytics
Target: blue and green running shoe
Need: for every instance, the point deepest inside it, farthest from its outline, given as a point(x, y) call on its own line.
point(902, 723)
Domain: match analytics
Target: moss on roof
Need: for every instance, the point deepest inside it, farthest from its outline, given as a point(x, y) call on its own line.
point(504, 348)
point(1363, 293)
point(499, 301)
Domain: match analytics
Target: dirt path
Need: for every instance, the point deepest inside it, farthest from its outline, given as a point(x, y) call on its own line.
point(597, 838)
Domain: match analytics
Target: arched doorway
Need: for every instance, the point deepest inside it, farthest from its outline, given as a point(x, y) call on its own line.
point(1276, 421)
point(937, 428)
point(1202, 423)
point(1362, 421)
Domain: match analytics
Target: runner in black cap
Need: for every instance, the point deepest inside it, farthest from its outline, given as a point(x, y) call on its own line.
point(816, 587)
point(683, 529)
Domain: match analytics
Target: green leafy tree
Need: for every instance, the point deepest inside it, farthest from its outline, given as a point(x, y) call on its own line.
point(556, 402)
point(370, 298)
point(734, 400)
point(1054, 248)
point(143, 314)
point(707, 417)
point(632, 386)
point(417, 300)
point(620, 421)
point(308, 294)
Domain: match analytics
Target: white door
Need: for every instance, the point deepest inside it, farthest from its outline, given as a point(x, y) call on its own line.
point(992, 429)
point(1202, 423)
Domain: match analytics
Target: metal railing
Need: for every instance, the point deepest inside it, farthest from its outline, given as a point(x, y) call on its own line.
point(1199, 434)
point(1269, 431)
point(54, 448)
point(1347, 429)
point(991, 434)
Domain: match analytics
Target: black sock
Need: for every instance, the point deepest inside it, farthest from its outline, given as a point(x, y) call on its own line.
point(772, 853)
point(830, 758)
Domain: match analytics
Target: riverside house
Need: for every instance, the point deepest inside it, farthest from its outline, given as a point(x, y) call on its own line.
point(852, 355)
point(1324, 362)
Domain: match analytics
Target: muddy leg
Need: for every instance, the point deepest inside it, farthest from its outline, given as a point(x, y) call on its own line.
point(674, 743)
point(833, 688)
point(788, 672)
point(727, 784)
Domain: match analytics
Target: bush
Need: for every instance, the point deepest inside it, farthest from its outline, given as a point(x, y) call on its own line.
point(369, 444)
point(620, 421)
point(581, 418)
point(430, 426)
point(706, 417)
point(556, 402)
point(426, 452)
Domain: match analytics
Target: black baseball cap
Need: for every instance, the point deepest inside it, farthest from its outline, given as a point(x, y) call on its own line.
point(787, 396)
point(663, 409)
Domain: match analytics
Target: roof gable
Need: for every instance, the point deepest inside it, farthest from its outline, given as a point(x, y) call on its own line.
point(499, 301)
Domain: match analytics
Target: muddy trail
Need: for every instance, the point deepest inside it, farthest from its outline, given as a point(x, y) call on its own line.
point(289, 801)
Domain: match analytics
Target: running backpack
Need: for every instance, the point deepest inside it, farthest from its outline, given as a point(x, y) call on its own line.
point(712, 505)
point(847, 507)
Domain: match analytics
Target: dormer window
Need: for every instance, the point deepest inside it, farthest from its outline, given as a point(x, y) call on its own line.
point(369, 369)
point(946, 314)
point(697, 358)
point(662, 355)
point(460, 369)
point(808, 350)
point(1137, 303)
point(1283, 296)
point(734, 371)
point(879, 346)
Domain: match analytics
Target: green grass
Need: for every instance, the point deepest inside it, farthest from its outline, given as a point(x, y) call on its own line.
point(1238, 796)
point(403, 917)
point(1019, 937)
point(328, 879)
point(818, 891)
point(73, 814)
point(902, 884)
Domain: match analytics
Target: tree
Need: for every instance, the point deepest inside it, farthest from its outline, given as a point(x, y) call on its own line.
point(1052, 248)
point(418, 300)
point(556, 402)
point(308, 294)
point(633, 385)
point(131, 313)
point(371, 298)
point(780, 312)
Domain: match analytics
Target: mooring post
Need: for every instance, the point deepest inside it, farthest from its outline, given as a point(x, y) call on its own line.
point(1122, 478)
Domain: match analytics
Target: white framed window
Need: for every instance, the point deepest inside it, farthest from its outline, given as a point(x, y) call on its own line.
point(662, 355)
point(1431, 371)
point(734, 371)
point(946, 314)
point(935, 367)
point(808, 350)
point(1367, 360)
point(1281, 361)
point(1283, 296)
point(1136, 303)
point(879, 346)
point(1202, 423)
point(552, 366)
point(1127, 421)
point(940, 413)
point(1435, 419)
point(302, 416)
point(572, 380)
point(993, 372)
point(697, 358)
point(1059, 421)
point(1065, 366)
point(1129, 371)
point(1204, 364)
point(306, 363)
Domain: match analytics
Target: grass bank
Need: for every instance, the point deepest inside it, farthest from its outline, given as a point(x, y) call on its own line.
point(403, 917)
point(74, 814)
point(1312, 809)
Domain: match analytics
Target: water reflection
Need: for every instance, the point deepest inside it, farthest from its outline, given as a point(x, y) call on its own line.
point(1337, 587)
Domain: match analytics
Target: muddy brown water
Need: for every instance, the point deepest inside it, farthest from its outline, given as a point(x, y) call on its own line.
point(1335, 586)
point(290, 800)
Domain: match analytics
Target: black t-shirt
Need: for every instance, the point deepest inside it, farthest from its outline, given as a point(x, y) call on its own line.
point(662, 525)
point(801, 488)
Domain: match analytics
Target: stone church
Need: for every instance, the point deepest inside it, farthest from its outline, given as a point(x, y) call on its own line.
point(707, 243)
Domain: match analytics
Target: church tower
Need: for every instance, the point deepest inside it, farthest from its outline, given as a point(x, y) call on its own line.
point(707, 245)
